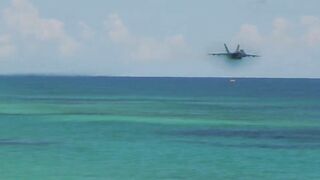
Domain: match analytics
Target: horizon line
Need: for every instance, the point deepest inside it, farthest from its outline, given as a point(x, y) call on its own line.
point(137, 76)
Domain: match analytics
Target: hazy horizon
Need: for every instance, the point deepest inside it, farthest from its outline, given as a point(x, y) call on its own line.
point(136, 76)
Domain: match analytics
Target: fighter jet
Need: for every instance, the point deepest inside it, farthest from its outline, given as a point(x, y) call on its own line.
point(237, 55)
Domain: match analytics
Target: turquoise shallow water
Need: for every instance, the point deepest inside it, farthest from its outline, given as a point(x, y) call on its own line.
point(159, 128)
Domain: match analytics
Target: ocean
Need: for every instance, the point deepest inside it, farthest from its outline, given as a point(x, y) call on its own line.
point(120, 128)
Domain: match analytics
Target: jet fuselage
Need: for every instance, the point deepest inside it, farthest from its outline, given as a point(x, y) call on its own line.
point(238, 54)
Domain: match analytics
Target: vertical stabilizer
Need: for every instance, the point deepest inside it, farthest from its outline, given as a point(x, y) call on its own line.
point(227, 48)
point(238, 48)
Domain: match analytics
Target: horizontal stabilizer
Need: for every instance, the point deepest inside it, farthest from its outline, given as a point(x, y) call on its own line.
point(218, 54)
point(252, 55)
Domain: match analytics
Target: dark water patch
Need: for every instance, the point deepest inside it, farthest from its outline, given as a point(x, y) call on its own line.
point(118, 114)
point(296, 146)
point(310, 135)
point(44, 114)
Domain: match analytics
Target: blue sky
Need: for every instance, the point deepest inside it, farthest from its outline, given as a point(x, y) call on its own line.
point(159, 37)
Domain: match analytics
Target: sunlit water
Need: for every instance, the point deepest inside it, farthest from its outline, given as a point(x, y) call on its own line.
point(159, 128)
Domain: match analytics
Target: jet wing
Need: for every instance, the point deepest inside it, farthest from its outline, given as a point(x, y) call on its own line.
point(252, 55)
point(218, 54)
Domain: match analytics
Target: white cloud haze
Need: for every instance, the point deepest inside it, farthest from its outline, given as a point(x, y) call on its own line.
point(87, 33)
point(145, 48)
point(312, 23)
point(283, 33)
point(6, 46)
point(288, 49)
point(23, 18)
